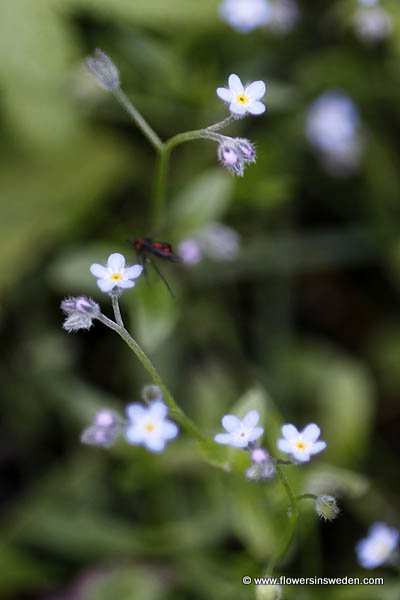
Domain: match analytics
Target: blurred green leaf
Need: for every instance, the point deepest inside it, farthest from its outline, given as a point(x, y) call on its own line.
point(157, 13)
point(36, 50)
point(204, 199)
point(51, 198)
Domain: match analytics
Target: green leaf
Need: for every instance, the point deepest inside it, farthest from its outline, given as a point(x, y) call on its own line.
point(36, 50)
point(205, 199)
point(51, 198)
point(156, 14)
point(154, 312)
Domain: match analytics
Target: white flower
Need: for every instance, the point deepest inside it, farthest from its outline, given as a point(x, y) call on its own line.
point(372, 24)
point(242, 99)
point(333, 129)
point(245, 15)
point(149, 427)
point(375, 549)
point(115, 274)
point(301, 445)
point(240, 432)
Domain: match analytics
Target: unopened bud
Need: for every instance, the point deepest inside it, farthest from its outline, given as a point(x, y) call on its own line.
point(104, 430)
point(231, 158)
point(247, 150)
point(262, 466)
point(268, 592)
point(326, 507)
point(151, 393)
point(103, 68)
point(80, 313)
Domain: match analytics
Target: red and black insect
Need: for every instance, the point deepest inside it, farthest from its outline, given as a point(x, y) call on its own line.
point(147, 248)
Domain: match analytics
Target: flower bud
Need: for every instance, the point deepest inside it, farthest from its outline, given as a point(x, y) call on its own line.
point(262, 466)
point(230, 157)
point(268, 592)
point(151, 393)
point(80, 313)
point(326, 507)
point(104, 430)
point(247, 150)
point(102, 67)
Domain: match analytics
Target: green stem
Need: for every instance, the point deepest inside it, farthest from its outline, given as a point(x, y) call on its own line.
point(294, 513)
point(306, 497)
point(176, 412)
point(116, 309)
point(140, 121)
point(160, 188)
point(196, 134)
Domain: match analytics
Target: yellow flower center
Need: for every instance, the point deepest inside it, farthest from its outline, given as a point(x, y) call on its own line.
point(116, 276)
point(242, 99)
point(149, 427)
point(300, 445)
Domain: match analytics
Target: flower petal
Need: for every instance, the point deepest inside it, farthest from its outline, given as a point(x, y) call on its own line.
point(125, 283)
point(251, 419)
point(301, 455)
point(237, 109)
point(230, 423)
point(133, 271)
point(239, 442)
point(223, 438)
point(256, 107)
point(311, 433)
point(284, 446)
point(135, 411)
point(169, 430)
point(155, 444)
point(235, 84)
point(225, 94)
point(106, 285)
point(255, 434)
point(255, 90)
point(98, 270)
point(158, 410)
point(317, 447)
point(290, 432)
point(133, 435)
point(116, 262)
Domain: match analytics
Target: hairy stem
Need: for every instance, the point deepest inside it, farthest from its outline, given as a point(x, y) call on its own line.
point(176, 412)
point(294, 513)
point(116, 309)
point(140, 121)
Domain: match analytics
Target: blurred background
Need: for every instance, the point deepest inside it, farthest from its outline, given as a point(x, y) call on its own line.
point(293, 309)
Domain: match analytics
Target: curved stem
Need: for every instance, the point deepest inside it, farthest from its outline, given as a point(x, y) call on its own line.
point(176, 412)
point(294, 513)
point(196, 134)
point(306, 497)
point(140, 121)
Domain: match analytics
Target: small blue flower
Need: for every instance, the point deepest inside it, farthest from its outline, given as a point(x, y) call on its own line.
point(240, 432)
point(378, 546)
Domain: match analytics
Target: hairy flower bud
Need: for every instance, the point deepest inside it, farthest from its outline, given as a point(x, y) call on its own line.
point(230, 157)
point(247, 150)
point(104, 430)
point(80, 312)
point(102, 67)
point(326, 507)
point(151, 393)
point(262, 466)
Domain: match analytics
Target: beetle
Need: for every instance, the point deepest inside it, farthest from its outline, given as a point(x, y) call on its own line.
point(147, 248)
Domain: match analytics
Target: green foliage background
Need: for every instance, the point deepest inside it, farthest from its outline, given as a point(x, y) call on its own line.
point(304, 324)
